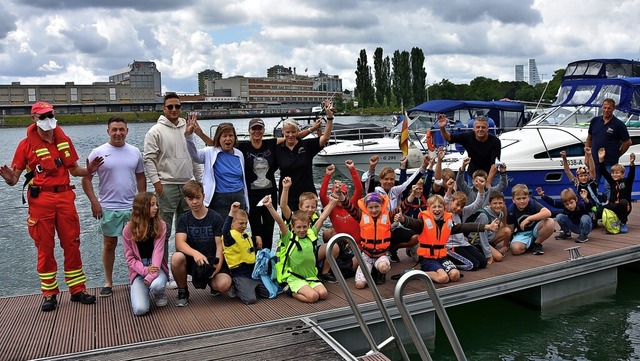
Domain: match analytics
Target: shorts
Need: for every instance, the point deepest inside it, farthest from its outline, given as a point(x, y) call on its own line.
point(112, 222)
point(370, 262)
point(526, 237)
point(295, 283)
point(433, 265)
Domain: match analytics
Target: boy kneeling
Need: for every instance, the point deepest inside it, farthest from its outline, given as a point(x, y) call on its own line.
point(530, 222)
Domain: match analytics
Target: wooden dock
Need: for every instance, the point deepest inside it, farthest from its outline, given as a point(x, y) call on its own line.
point(221, 327)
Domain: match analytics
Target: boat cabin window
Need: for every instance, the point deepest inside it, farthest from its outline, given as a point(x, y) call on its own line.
point(574, 150)
point(608, 91)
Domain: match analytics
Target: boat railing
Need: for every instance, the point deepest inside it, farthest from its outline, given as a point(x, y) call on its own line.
point(374, 346)
point(410, 325)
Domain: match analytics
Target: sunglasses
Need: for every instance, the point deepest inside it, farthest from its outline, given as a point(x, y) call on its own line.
point(45, 116)
point(172, 106)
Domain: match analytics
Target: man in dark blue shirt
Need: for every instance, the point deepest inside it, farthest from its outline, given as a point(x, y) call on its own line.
point(608, 132)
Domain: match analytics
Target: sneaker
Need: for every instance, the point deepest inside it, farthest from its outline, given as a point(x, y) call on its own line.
point(624, 228)
point(171, 285)
point(381, 278)
point(413, 252)
point(537, 249)
point(49, 303)
point(232, 292)
point(393, 255)
point(83, 297)
point(161, 300)
point(287, 290)
point(563, 235)
point(183, 297)
point(106, 291)
point(329, 277)
point(213, 292)
point(581, 239)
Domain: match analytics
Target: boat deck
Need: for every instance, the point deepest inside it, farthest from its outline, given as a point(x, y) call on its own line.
point(109, 326)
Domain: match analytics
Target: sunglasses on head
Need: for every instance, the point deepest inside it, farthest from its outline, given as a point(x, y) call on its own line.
point(45, 116)
point(173, 106)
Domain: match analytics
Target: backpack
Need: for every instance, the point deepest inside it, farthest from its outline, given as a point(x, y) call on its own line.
point(610, 221)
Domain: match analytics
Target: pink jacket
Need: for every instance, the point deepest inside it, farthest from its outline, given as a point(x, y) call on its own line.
point(132, 255)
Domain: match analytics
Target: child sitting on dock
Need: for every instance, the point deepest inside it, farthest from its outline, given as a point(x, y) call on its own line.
point(434, 226)
point(465, 256)
point(488, 241)
point(308, 203)
point(199, 247)
point(143, 241)
point(375, 230)
point(529, 221)
point(240, 255)
point(585, 180)
point(296, 264)
point(575, 214)
point(621, 187)
point(480, 181)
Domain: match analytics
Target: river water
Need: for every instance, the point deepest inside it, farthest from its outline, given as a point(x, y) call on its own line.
point(605, 328)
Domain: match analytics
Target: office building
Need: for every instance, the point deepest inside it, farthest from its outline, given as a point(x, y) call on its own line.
point(139, 75)
point(203, 77)
point(534, 78)
point(519, 72)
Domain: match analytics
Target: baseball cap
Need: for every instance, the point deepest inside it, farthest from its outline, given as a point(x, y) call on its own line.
point(41, 108)
point(256, 121)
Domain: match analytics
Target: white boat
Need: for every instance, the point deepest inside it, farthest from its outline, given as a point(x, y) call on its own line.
point(503, 114)
point(532, 153)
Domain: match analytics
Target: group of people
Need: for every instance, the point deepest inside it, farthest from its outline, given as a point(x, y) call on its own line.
point(446, 222)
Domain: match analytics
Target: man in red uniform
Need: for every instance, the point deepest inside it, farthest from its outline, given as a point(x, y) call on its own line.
point(49, 156)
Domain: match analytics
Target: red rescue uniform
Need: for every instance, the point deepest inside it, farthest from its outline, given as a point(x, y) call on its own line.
point(433, 239)
point(51, 207)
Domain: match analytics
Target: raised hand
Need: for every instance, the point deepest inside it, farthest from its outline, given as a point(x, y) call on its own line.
point(286, 182)
point(563, 153)
point(539, 191)
point(632, 157)
point(465, 163)
point(94, 164)
point(330, 169)
point(584, 194)
point(399, 217)
point(442, 120)
point(349, 164)
point(373, 161)
point(235, 206)
point(601, 153)
point(403, 162)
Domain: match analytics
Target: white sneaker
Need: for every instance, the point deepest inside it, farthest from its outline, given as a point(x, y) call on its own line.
point(161, 300)
point(171, 285)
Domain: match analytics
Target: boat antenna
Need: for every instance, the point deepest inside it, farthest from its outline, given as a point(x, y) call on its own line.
point(541, 96)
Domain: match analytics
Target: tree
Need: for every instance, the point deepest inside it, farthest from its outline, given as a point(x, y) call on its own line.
point(386, 67)
point(418, 76)
point(364, 89)
point(380, 77)
point(402, 76)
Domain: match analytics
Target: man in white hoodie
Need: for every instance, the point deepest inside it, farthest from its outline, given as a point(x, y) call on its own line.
point(167, 162)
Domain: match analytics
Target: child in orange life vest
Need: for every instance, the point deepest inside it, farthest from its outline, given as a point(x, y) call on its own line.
point(375, 230)
point(434, 226)
point(297, 266)
point(309, 205)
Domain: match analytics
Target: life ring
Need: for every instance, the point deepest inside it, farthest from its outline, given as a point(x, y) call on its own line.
point(428, 140)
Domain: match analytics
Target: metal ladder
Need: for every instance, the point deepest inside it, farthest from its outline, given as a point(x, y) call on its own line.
point(440, 311)
point(375, 348)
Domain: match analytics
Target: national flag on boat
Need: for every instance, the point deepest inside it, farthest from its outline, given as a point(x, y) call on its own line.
point(404, 135)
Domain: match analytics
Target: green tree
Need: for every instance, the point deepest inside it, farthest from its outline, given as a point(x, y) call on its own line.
point(364, 88)
point(418, 76)
point(386, 68)
point(401, 76)
point(380, 77)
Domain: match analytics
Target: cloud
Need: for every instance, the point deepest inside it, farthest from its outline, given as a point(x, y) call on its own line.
point(51, 66)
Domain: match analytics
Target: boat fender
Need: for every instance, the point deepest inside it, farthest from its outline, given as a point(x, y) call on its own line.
point(414, 157)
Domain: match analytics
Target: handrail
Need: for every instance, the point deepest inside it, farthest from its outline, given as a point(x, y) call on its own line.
point(376, 295)
point(440, 311)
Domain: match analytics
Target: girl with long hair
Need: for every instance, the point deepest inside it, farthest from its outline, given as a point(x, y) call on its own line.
point(144, 251)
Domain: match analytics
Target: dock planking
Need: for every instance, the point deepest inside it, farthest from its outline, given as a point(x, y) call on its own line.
point(110, 327)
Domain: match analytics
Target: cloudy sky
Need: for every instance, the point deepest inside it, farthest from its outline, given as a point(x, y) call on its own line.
point(55, 41)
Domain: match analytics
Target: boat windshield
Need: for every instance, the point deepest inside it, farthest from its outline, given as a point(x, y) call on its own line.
point(579, 116)
point(417, 125)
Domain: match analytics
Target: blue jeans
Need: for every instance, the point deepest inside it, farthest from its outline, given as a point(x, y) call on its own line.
point(607, 187)
point(568, 226)
point(140, 301)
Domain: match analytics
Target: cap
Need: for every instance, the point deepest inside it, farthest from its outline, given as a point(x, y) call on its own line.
point(256, 121)
point(200, 275)
point(41, 108)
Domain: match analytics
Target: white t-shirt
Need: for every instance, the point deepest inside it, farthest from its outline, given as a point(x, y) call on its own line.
point(117, 175)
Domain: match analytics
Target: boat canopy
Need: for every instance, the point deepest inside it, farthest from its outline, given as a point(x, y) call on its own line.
point(591, 92)
point(602, 68)
point(505, 114)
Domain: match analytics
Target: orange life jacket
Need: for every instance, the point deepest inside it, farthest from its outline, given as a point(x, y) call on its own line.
point(48, 161)
point(433, 239)
point(375, 231)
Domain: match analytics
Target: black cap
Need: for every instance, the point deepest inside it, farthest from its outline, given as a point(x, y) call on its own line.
point(256, 121)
